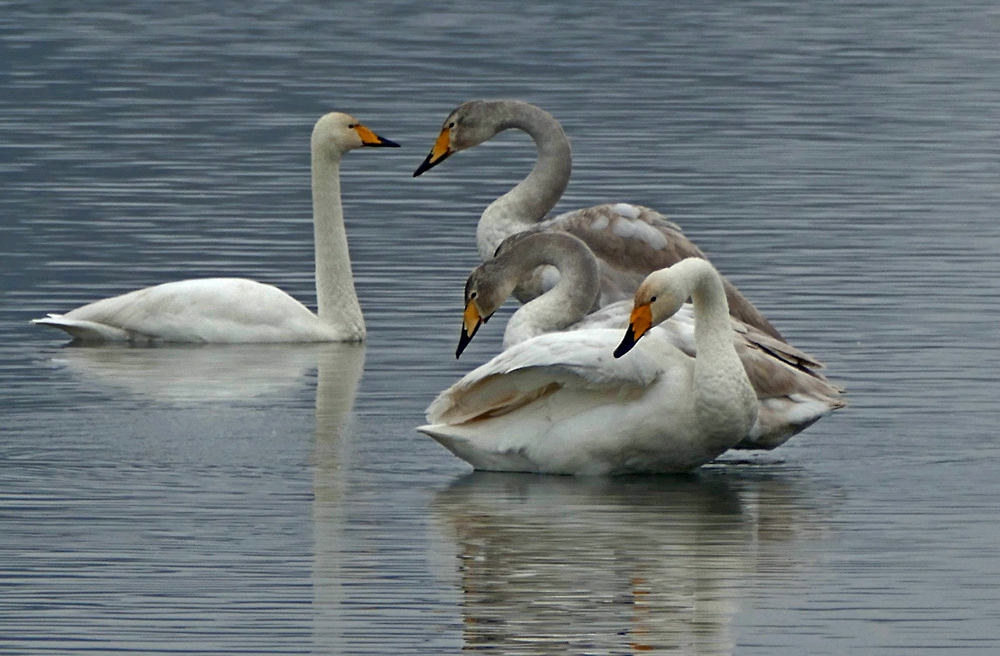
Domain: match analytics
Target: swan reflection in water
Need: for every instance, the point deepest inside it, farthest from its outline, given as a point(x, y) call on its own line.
point(618, 565)
point(193, 375)
point(205, 375)
point(210, 377)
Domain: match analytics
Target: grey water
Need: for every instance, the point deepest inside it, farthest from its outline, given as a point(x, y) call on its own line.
point(839, 161)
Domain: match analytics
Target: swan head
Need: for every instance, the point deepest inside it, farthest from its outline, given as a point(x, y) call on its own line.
point(337, 133)
point(657, 299)
point(486, 289)
point(469, 125)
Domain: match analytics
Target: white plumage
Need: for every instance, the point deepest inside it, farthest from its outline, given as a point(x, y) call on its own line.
point(791, 392)
point(237, 310)
point(561, 403)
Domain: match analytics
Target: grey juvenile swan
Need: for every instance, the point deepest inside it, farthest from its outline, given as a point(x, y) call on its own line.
point(630, 241)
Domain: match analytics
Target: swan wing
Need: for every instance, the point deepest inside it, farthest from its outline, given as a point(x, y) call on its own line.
point(792, 394)
point(541, 366)
point(632, 241)
point(216, 310)
point(791, 391)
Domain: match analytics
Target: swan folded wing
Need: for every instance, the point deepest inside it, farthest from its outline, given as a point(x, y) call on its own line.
point(539, 367)
point(631, 241)
point(792, 394)
point(775, 368)
point(199, 310)
point(777, 348)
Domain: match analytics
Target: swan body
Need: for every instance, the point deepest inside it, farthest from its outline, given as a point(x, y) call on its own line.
point(560, 403)
point(630, 241)
point(791, 393)
point(237, 310)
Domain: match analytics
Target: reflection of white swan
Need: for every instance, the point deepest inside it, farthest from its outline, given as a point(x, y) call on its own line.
point(236, 310)
point(194, 374)
point(792, 394)
point(205, 380)
point(630, 241)
point(609, 566)
point(338, 375)
point(559, 403)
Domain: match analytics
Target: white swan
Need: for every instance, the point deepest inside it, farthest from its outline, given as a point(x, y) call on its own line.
point(236, 310)
point(630, 241)
point(791, 392)
point(560, 403)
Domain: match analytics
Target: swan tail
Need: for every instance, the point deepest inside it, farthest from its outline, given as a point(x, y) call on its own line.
point(484, 456)
point(780, 419)
point(85, 331)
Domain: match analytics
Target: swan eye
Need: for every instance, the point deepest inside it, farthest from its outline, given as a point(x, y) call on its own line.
point(352, 125)
point(451, 125)
point(652, 300)
point(473, 295)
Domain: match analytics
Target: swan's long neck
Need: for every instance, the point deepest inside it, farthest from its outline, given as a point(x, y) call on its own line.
point(568, 301)
point(336, 298)
point(725, 401)
point(532, 198)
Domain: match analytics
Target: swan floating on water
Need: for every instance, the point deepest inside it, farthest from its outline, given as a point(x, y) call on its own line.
point(630, 241)
point(237, 310)
point(791, 393)
point(561, 403)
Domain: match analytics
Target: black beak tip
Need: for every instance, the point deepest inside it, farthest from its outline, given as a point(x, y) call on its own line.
point(424, 166)
point(464, 339)
point(430, 162)
point(628, 341)
point(384, 143)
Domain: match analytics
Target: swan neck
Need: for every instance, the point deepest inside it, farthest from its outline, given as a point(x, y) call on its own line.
point(534, 196)
point(336, 297)
point(568, 301)
point(725, 401)
point(711, 310)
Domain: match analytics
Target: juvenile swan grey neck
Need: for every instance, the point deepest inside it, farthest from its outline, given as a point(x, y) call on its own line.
point(629, 241)
point(535, 196)
point(568, 301)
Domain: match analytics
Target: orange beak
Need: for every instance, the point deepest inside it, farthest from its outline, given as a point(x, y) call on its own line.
point(369, 138)
point(471, 320)
point(639, 324)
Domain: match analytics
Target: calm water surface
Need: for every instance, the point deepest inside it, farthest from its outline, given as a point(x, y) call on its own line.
point(837, 160)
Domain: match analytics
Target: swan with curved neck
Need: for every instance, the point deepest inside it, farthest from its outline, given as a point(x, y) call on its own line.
point(791, 392)
point(560, 403)
point(492, 283)
point(235, 310)
point(630, 241)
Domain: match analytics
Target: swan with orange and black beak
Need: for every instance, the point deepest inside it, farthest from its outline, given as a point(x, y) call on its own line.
point(485, 292)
